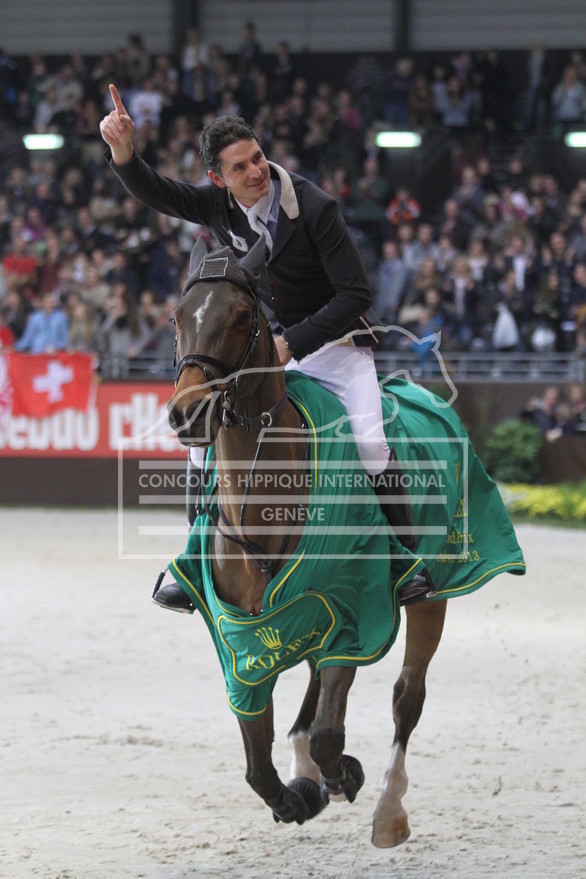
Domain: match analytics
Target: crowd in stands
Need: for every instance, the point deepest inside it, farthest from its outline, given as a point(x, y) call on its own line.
point(556, 413)
point(499, 265)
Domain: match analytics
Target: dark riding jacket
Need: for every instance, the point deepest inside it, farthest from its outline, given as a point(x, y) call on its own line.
point(316, 284)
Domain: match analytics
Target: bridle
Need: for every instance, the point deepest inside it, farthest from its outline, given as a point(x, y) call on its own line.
point(230, 418)
point(226, 400)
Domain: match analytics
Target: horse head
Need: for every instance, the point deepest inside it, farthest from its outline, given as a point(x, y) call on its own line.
point(221, 334)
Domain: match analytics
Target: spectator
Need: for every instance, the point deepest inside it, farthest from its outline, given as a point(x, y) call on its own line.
point(486, 176)
point(577, 403)
point(7, 337)
point(160, 345)
point(577, 242)
point(455, 106)
point(49, 104)
point(124, 331)
point(194, 55)
point(146, 103)
point(567, 99)
point(89, 233)
point(422, 279)
point(452, 224)
point(446, 253)
point(508, 317)
point(96, 290)
point(541, 222)
point(429, 324)
point(368, 200)
point(402, 208)
point(549, 413)
point(281, 73)
point(166, 266)
point(51, 263)
point(138, 60)
point(469, 196)
point(538, 90)
point(461, 298)
point(520, 257)
point(6, 217)
point(19, 262)
point(393, 279)
point(570, 308)
point(84, 333)
point(421, 103)
point(422, 247)
point(250, 53)
point(46, 328)
point(495, 89)
point(123, 272)
point(478, 259)
point(15, 310)
point(398, 89)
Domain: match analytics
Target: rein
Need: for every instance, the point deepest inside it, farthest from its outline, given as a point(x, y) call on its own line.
point(265, 563)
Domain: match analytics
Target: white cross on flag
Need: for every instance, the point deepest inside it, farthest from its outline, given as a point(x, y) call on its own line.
point(46, 383)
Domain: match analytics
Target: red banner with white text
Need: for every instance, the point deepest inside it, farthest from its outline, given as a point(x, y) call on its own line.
point(128, 418)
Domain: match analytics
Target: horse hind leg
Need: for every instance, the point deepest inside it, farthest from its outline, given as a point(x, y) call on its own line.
point(302, 766)
point(424, 629)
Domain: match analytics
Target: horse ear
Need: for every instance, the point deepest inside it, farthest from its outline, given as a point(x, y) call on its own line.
point(253, 261)
point(198, 252)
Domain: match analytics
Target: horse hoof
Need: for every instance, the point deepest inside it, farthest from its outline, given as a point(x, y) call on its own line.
point(293, 808)
point(352, 769)
point(388, 835)
point(314, 797)
point(348, 783)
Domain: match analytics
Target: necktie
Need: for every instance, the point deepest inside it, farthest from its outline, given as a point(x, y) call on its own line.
point(259, 226)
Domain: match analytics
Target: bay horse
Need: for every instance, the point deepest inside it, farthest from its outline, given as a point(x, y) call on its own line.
point(231, 397)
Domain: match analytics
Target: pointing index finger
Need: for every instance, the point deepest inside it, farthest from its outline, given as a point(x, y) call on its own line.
point(118, 105)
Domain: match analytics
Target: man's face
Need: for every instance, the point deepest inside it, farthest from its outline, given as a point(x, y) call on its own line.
point(244, 171)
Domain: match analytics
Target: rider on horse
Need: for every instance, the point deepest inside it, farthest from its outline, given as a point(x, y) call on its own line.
point(314, 282)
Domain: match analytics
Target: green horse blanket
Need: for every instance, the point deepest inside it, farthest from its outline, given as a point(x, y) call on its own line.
point(335, 601)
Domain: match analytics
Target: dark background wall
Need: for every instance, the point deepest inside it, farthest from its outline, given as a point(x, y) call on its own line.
point(64, 26)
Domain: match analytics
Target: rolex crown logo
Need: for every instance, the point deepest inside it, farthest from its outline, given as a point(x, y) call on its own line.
point(269, 637)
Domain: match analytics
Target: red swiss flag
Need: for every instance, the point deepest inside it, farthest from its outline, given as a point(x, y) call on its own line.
point(46, 383)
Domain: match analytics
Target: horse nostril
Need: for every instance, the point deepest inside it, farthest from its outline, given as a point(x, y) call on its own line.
point(176, 417)
point(186, 420)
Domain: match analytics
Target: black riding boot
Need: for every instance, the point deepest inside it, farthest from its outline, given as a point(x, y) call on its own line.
point(171, 596)
point(400, 518)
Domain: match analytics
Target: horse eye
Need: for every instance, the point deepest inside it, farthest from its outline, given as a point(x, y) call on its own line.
point(243, 318)
point(172, 320)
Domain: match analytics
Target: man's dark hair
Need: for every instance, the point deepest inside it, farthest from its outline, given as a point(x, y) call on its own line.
point(219, 134)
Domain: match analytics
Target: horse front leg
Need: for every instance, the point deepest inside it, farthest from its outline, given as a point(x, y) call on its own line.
point(341, 774)
point(424, 629)
point(287, 802)
point(302, 766)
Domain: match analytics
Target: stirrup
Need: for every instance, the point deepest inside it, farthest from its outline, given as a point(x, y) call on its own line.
point(171, 596)
point(414, 591)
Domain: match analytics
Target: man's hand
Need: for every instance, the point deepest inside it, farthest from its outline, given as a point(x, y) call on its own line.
point(117, 129)
point(284, 354)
